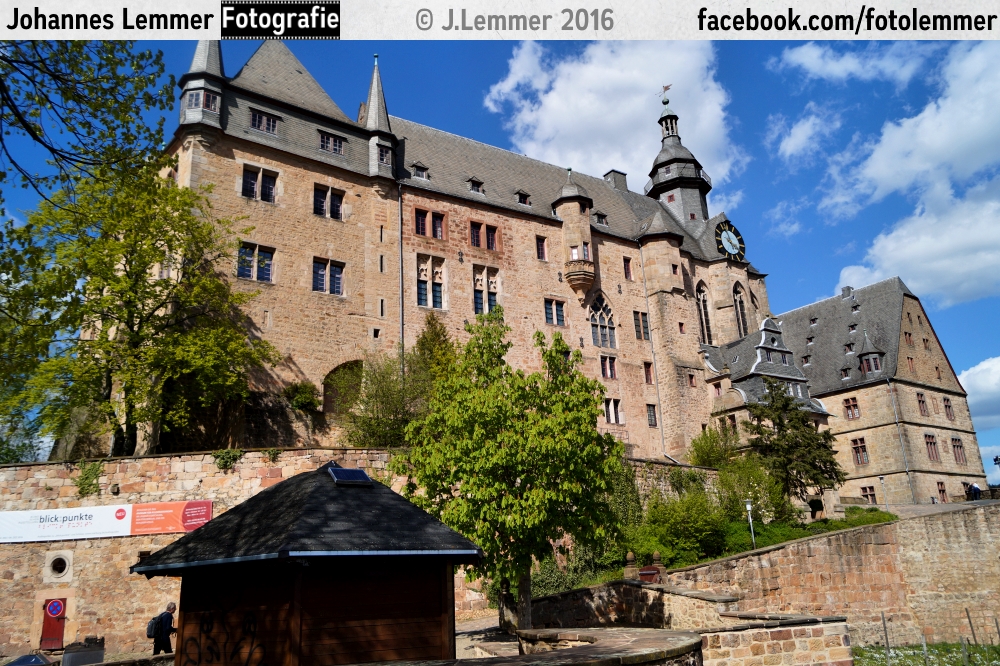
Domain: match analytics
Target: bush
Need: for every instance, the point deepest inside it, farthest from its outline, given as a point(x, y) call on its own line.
point(227, 458)
point(303, 396)
point(746, 478)
point(714, 447)
point(684, 530)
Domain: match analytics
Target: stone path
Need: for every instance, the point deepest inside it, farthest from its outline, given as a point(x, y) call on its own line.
point(475, 639)
point(917, 510)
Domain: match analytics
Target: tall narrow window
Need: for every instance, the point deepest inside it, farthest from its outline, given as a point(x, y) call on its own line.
point(932, 448)
point(613, 413)
point(437, 295)
point(860, 451)
point(701, 303)
point(909, 363)
point(491, 238)
point(574, 253)
point(336, 279)
point(959, 450)
point(420, 223)
point(851, 410)
point(922, 405)
point(336, 203)
point(319, 201)
point(641, 322)
point(264, 263)
point(211, 102)
point(540, 249)
point(608, 369)
point(628, 268)
point(942, 493)
point(908, 337)
point(250, 183)
point(948, 411)
point(927, 344)
point(475, 232)
point(651, 415)
point(549, 314)
point(422, 292)
point(244, 263)
point(647, 369)
point(384, 155)
point(255, 263)
point(328, 276)
point(602, 324)
point(319, 275)
point(437, 225)
point(586, 251)
point(477, 301)
point(267, 186)
point(741, 311)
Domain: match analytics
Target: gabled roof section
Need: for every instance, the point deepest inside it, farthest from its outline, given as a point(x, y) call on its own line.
point(275, 72)
point(309, 515)
point(376, 115)
point(207, 59)
point(877, 313)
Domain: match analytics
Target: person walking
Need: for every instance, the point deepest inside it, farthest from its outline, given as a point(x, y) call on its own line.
point(165, 627)
point(977, 492)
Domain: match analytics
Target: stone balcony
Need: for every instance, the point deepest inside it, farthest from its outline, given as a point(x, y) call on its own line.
point(579, 274)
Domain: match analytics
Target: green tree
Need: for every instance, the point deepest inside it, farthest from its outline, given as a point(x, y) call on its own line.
point(684, 530)
point(434, 349)
point(135, 300)
point(714, 446)
point(514, 461)
point(747, 477)
point(81, 103)
point(797, 455)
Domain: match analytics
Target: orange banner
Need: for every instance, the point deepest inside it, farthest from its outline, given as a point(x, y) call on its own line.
point(167, 517)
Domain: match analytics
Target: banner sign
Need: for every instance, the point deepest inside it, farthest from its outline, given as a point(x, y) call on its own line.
point(99, 522)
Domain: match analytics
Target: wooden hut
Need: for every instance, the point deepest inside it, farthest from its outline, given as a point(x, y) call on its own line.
point(325, 567)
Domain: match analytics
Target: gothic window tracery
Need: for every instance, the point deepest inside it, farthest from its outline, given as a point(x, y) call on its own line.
point(602, 324)
point(703, 318)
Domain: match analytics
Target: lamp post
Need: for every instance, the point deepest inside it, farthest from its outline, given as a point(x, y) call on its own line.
point(753, 539)
point(881, 479)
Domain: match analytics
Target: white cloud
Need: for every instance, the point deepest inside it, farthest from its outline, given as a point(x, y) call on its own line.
point(785, 217)
point(804, 138)
point(949, 247)
point(982, 381)
point(597, 110)
point(955, 136)
point(897, 62)
point(724, 202)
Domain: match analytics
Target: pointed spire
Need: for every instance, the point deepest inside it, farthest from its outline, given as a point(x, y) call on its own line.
point(869, 347)
point(376, 114)
point(208, 58)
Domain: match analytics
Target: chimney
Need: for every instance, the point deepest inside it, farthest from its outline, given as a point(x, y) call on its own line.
point(847, 292)
point(617, 180)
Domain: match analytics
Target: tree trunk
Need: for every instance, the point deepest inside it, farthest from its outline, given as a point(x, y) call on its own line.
point(524, 601)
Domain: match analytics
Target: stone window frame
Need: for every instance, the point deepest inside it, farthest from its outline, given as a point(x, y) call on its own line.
point(555, 312)
point(949, 410)
point(933, 453)
point(541, 248)
point(851, 409)
point(641, 322)
point(609, 367)
point(614, 414)
point(859, 451)
point(431, 277)
point(958, 450)
point(627, 268)
point(485, 288)
point(868, 494)
point(647, 371)
point(332, 269)
point(255, 267)
point(332, 198)
point(651, 415)
point(922, 404)
point(385, 155)
point(261, 190)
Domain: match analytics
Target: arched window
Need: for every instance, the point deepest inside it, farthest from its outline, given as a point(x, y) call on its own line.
point(602, 323)
point(741, 311)
point(702, 305)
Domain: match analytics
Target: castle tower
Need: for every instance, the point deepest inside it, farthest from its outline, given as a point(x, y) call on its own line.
point(573, 206)
point(374, 116)
point(677, 179)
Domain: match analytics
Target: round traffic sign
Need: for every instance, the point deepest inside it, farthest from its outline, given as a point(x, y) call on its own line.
point(55, 608)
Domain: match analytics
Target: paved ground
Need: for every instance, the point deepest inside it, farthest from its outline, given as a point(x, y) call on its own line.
point(915, 510)
point(482, 638)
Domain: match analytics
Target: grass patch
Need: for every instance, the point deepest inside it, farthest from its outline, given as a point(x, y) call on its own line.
point(938, 654)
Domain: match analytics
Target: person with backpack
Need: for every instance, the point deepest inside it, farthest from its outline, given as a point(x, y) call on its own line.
point(160, 628)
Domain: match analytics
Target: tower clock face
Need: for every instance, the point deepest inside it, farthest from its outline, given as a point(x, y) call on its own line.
point(729, 242)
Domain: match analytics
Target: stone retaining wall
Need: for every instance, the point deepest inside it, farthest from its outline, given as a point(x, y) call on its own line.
point(828, 644)
point(922, 572)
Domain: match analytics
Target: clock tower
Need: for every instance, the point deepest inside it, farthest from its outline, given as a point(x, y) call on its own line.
point(677, 179)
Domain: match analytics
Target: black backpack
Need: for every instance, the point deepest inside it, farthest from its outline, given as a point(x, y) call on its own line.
point(153, 627)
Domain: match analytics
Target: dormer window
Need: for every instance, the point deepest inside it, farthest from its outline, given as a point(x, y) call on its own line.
point(524, 198)
point(852, 328)
point(813, 320)
point(602, 219)
point(806, 359)
point(871, 364)
point(384, 155)
point(849, 348)
point(809, 340)
point(420, 171)
point(203, 99)
point(845, 374)
point(331, 144)
point(263, 122)
point(855, 308)
point(476, 186)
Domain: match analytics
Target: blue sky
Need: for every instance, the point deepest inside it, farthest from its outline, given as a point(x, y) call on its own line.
point(840, 162)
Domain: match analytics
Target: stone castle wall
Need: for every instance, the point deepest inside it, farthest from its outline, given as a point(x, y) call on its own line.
point(922, 572)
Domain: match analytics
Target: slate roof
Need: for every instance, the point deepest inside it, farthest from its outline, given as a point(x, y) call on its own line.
point(452, 160)
point(308, 515)
point(376, 113)
point(879, 316)
point(208, 59)
point(275, 72)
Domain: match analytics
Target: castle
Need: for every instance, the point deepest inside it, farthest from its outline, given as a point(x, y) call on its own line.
point(362, 226)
